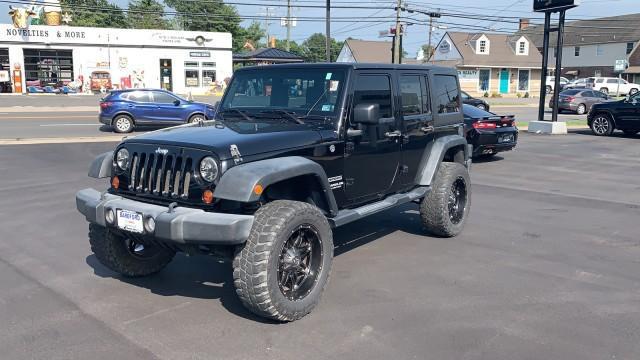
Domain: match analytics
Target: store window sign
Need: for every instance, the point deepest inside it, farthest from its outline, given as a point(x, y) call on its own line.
point(200, 54)
point(445, 47)
point(468, 75)
point(60, 34)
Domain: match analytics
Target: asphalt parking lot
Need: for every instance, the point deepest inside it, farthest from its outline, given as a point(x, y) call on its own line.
point(547, 268)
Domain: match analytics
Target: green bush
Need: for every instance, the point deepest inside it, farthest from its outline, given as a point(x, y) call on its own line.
point(486, 94)
point(496, 95)
point(519, 95)
point(526, 95)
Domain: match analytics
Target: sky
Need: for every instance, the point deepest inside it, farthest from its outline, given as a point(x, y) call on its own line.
point(367, 23)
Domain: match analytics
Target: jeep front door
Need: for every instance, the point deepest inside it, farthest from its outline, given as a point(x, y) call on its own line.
point(372, 154)
point(628, 113)
point(417, 122)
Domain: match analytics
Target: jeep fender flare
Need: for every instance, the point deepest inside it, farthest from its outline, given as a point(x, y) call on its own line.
point(239, 182)
point(434, 155)
point(101, 166)
point(603, 111)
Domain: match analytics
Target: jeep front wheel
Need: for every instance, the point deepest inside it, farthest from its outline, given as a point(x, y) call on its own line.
point(444, 210)
point(126, 255)
point(283, 268)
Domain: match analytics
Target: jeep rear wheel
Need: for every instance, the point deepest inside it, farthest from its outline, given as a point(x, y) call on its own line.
point(444, 210)
point(283, 268)
point(127, 255)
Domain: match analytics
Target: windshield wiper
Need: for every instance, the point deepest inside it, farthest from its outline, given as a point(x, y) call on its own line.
point(236, 111)
point(287, 115)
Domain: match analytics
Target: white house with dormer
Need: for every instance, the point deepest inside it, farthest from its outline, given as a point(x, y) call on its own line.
point(491, 63)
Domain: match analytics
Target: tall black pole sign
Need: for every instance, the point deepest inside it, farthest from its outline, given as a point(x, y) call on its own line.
point(549, 7)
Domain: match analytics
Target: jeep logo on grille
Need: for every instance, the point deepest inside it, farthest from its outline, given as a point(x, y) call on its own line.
point(162, 151)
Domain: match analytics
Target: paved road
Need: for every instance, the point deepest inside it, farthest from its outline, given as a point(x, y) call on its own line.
point(547, 268)
point(62, 123)
point(66, 100)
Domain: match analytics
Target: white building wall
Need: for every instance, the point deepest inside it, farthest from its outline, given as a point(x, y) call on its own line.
point(125, 52)
point(446, 50)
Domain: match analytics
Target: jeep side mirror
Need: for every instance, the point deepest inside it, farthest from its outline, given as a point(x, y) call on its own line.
point(368, 114)
point(176, 102)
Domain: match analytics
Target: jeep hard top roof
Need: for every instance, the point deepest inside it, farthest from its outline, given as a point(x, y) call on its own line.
point(356, 66)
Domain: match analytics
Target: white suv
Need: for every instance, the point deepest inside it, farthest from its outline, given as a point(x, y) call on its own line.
point(610, 86)
point(551, 82)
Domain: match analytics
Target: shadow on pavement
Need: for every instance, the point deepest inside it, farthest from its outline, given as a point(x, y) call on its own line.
point(616, 134)
point(487, 159)
point(205, 277)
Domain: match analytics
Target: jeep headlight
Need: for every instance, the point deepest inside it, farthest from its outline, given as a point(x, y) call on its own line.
point(208, 169)
point(122, 159)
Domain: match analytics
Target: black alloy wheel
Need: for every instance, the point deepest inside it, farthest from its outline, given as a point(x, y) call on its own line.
point(457, 200)
point(300, 262)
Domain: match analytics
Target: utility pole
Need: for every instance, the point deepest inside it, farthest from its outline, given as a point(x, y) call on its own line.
point(287, 46)
point(396, 37)
point(267, 22)
point(431, 16)
point(328, 32)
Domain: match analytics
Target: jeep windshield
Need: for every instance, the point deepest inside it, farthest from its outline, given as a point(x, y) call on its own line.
point(283, 94)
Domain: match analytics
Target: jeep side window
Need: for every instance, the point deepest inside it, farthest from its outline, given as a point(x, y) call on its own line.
point(446, 95)
point(411, 91)
point(374, 89)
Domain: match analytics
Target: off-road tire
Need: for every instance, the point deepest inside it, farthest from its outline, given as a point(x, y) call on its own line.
point(111, 250)
point(255, 266)
point(121, 129)
point(434, 208)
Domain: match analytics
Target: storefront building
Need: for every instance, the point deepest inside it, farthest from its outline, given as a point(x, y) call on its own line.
point(48, 58)
point(491, 64)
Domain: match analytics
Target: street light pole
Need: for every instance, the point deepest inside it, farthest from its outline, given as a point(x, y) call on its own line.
point(328, 31)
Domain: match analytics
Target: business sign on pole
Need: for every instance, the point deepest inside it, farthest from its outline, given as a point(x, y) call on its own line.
point(554, 5)
point(621, 66)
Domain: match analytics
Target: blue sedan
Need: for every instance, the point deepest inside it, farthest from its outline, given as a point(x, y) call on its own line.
point(126, 109)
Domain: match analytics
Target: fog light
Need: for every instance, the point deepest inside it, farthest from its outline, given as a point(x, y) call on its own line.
point(149, 224)
point(110, 216)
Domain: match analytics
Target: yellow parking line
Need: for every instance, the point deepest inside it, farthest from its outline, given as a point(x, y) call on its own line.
point(61, 140)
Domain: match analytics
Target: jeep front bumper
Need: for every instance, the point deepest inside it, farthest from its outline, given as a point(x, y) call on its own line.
point(179, 225)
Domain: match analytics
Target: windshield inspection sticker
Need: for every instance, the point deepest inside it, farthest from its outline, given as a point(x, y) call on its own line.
point(328, 77)
point(327, 107)
point(333, 85)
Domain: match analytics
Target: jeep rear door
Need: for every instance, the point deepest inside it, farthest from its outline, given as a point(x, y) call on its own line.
point(372, 158)
point(417, 124)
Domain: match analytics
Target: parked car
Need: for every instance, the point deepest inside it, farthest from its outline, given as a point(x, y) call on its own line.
point(489, 133)
point(622, 115)
point(126, 109)
point(609, 85)
point(583, 83)
point(579, 100)
point(470, 100)
point(551, 81)
point(265, 185)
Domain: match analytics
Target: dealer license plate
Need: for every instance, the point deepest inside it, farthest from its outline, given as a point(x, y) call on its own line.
point(130, 221)
point(506, 138)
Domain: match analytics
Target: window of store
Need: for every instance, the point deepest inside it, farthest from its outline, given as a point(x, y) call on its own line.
point(483, 47)
point(4, 58)
point(523, 80)
point(576, 51)
point(630, 46)
point(48, 67)
point(484, 80)
point(208, 64)
point(208, 77)
point(190, 64)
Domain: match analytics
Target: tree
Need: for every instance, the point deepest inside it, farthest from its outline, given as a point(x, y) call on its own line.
point(146, 14)
point(251, 34)
point(210, 15)
point(94, 13)
point(428, 50)
point(315, 48)
point(294, 47)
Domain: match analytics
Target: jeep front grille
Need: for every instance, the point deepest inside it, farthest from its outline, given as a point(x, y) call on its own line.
point(161, 175)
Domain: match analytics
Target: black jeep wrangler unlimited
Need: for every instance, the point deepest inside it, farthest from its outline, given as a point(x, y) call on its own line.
point(293, 152)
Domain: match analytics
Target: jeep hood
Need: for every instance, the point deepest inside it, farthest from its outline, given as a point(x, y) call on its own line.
point(250, 138)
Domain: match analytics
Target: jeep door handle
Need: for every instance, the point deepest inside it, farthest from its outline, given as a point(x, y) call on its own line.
point(427, 129)
point(393, 134)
